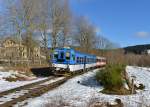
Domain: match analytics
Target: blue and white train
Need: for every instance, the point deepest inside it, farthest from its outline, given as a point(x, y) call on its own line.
point(68, 58)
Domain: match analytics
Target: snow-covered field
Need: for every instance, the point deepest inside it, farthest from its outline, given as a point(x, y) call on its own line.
point(82, 90)
point(6, 85)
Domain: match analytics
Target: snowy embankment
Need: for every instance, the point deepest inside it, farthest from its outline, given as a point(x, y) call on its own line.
point(83, 90)
point(6, 85)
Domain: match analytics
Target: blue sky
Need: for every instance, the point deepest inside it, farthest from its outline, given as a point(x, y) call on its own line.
point(0, 6)
point(126, 22)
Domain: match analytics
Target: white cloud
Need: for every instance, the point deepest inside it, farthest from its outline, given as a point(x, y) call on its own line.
point(142, 34)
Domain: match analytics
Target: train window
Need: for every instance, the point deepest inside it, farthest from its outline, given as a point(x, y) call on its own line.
point(73, 57)
point(62, 55)
point(56, 55)
point(82, 60)
point(77, 59)
point(88, 60)
point(67, 56)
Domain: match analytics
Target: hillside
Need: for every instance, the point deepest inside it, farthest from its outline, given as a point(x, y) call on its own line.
point(137, 49)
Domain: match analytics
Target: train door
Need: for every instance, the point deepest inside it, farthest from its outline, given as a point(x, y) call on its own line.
point(68, 59)
point(72, 57)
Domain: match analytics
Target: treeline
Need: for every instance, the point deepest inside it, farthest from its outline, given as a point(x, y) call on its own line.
point(51, 23)
point(138, 49)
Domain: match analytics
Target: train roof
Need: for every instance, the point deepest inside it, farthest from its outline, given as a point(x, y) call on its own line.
point(85, 53)
point(68, 48)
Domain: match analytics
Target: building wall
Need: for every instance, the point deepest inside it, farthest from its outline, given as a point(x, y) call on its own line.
point(12, 49)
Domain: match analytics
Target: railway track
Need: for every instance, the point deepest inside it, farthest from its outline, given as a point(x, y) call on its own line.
point(13, 96)
point(19, 94)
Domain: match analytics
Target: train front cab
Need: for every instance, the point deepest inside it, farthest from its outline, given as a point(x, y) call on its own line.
point(63, 57)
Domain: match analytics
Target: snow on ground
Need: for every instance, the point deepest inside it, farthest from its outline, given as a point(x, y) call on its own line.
point(81, 90)
point(17, 94)
point(6, 85)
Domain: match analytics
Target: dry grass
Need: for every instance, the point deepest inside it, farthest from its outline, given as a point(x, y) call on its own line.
point(14, 79)
point(118, 57)
point(10, 79)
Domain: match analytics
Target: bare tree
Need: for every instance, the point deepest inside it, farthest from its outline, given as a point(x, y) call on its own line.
point(43, 24)
point(104, 43)
point(22, 17)
point(66, 24)
point(60, 17)
point(56, 12)
point(85, 34)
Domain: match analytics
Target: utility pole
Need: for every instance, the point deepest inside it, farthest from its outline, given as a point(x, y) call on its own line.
point(133, 89)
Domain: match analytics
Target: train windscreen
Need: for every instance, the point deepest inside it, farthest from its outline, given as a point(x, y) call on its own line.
point(56, 55)
point(61, 55)
point(67, 55)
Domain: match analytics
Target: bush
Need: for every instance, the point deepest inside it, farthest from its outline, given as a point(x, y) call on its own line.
point(10, 79)
point(111, 76)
